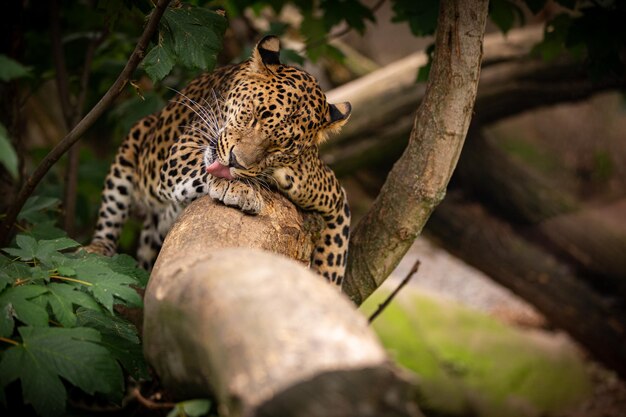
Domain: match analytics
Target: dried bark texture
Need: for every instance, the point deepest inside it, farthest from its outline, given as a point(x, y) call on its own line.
point(263, 333)
point(418, 181)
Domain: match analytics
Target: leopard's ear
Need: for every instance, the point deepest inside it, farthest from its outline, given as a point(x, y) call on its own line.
point(266, 53)
point(338, 115)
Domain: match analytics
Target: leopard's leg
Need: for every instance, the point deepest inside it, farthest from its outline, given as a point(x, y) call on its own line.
point(331, 252)
point(118, 191)
point(311, 185)
point(155, 227)
point(149, 242)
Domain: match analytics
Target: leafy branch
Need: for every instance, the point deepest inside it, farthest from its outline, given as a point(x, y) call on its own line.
point(57, 318)
point(81, 127)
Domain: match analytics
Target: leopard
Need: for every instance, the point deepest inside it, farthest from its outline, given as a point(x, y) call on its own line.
point(227, 134)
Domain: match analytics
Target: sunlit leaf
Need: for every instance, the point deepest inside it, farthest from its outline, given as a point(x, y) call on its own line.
point(191, 408)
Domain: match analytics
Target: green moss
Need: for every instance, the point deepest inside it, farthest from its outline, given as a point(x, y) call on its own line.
point(470, 363)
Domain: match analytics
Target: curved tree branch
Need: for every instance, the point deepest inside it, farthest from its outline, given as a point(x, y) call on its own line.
point(418, 181)
point(75, 134)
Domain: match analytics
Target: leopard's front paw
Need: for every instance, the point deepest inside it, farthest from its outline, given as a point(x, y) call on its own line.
point(237, 194)
point(99, 247)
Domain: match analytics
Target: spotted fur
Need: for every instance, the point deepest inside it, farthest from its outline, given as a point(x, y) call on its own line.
point(227, 134)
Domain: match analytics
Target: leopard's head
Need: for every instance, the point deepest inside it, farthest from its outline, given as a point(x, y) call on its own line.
point(272, 114)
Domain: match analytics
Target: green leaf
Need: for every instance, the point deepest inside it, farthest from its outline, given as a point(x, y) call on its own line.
point(37, 273)
point(288, 55)
point(15, 271)
point(554, 38)
point(10, 69)
point(107, 324)
point(158, 63)
point(119, 337)
point(45, 230)
point(46, 354)
point(352, 11)
point(106, 284)
point(41, 387)
point(127, 265)
point(421, 15)
point(502, 13)
point(46, 249)
point(33, 207)
point(17, 302)
point(60, 299)
point(191, 408)
point(8, 157)
point(43, 250)
point(194, 34)
point(27, 248)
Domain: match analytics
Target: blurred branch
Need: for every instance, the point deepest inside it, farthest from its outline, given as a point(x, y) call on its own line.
point(85, 123)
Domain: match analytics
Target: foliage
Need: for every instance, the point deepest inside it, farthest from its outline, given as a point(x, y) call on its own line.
point(57, 319)
point(595, 33)
point(190, 36)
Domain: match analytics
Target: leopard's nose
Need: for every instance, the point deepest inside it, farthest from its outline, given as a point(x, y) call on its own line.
point(232, 161)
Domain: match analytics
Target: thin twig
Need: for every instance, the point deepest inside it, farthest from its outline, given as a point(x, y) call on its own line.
point(395, 292)
point(10, 341)
point(148, 403)
point(51, 158)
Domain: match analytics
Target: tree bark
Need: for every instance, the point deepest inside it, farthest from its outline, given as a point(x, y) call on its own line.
point(262, 333)
point(490, 245)
point(418, 181)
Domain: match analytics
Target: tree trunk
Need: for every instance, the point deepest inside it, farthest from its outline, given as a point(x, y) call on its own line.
point(490, 245)
point(262, 333)
point(418, 181)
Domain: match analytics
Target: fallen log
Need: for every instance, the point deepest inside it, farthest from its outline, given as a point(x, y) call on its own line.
point(381, 97)
point(522, 194)
point(267, 337)
point(489, 244)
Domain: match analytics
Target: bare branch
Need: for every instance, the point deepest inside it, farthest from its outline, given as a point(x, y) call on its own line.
point(75, 134)
point(395, 292)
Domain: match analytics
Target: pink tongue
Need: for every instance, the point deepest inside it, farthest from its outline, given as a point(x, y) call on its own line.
point(218, 170)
